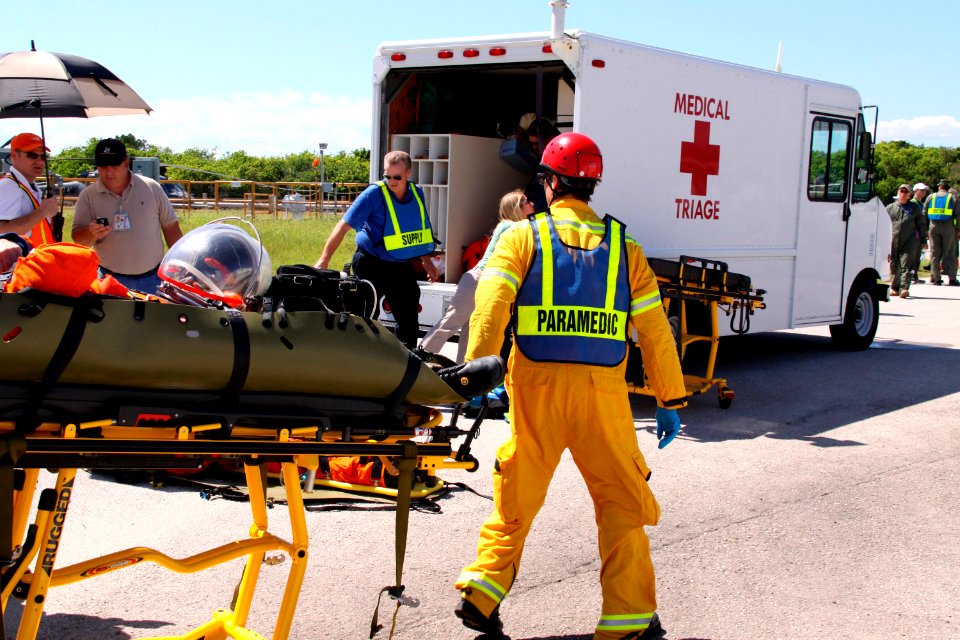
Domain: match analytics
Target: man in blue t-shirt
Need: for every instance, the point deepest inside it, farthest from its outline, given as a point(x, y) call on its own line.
point(393, 228)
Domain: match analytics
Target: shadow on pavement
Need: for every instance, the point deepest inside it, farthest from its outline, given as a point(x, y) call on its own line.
point(68, 626)
point(579, 636)
point(796, 386)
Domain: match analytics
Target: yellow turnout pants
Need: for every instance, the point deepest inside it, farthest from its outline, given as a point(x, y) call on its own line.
point(585, 409)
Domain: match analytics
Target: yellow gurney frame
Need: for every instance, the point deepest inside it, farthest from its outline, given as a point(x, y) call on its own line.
point(114, 446)
point(705, 286)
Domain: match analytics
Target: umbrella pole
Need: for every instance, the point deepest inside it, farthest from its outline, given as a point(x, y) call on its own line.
point(58, 218)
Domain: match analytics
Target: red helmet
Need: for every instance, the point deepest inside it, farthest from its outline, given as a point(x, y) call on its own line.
point(573, 155)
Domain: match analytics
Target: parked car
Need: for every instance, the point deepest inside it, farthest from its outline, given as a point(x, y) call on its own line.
point(175, 192)
point(70, 189)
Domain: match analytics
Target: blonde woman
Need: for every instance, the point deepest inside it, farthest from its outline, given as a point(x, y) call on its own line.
point(514, 207)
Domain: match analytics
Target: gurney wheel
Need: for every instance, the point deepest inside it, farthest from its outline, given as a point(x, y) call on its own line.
point(724, 397)
point(475, 464)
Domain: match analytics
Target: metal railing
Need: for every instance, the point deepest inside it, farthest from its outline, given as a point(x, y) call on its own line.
point(292, 200)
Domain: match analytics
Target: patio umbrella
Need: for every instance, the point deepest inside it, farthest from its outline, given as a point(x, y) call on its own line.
point(57, 85)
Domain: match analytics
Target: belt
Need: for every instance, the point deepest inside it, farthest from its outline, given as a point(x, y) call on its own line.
point(130, 275)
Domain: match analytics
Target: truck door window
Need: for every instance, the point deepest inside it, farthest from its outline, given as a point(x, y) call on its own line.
point(829, 158)
point(863, 164)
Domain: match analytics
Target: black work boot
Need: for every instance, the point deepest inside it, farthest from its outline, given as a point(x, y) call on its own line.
point(653, 632)
point(472, 618)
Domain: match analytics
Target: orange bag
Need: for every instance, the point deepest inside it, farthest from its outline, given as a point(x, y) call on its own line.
point(62, 268)
point(109, 286)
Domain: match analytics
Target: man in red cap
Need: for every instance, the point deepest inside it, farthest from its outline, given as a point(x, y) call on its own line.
point(22, 209)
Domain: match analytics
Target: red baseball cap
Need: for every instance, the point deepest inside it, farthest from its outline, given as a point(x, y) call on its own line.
point(27, 142)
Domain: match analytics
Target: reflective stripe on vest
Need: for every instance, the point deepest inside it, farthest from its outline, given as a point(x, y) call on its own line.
point(42, 232)
point(942, 212)
point(411, 243)
point(573, 304)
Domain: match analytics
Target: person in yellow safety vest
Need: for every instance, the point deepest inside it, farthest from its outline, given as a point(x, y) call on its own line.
point(941, 210)
point(570, 283)
point(392, 228)
point(22, 209)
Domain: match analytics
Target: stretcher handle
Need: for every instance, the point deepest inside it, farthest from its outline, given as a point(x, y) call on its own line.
point(705, 263)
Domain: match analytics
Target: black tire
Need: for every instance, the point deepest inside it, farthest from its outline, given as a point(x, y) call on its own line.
point(674, 322)
point(860, 318)
point(724, 399)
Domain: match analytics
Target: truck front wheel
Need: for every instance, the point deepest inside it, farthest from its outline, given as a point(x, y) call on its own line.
point(860, 319)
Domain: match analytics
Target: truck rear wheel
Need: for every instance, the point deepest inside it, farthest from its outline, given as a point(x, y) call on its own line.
point(860, 319)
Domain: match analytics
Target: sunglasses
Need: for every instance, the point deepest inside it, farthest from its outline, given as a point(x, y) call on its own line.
point(33, 155)
point(389, 177)
point(543, 178)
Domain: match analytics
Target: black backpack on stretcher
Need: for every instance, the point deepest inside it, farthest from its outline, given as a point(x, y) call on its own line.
point(299, 287)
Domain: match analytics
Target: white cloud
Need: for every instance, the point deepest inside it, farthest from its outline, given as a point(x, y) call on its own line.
point(262, 124)
point(939, 131)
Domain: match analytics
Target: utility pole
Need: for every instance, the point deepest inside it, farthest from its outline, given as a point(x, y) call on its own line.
point(323, 146)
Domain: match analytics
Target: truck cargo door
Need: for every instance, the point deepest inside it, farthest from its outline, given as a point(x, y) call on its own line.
point(822, 225)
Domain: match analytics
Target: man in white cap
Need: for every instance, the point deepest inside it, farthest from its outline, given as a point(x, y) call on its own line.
point(920, 193)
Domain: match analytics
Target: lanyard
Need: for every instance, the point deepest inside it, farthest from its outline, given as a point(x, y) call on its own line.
point(27, 190)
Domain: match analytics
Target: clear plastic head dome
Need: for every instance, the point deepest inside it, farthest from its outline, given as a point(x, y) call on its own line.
point(219, 261)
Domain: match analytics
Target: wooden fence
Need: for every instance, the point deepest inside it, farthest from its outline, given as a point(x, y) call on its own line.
point(278, 199)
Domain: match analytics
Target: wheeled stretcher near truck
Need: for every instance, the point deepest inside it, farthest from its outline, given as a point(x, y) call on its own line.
point(694, 292)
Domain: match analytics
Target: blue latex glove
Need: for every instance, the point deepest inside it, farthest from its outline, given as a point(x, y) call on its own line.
point(668, 426)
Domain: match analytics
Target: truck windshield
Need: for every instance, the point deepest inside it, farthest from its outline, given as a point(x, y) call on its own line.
point(863, 165)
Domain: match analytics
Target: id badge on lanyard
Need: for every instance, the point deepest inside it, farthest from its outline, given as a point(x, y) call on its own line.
point(121, 220)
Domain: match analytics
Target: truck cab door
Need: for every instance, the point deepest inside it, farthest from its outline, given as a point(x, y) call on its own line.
point(823, 215)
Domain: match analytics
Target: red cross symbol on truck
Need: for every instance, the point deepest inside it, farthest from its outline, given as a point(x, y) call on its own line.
point(700, 158)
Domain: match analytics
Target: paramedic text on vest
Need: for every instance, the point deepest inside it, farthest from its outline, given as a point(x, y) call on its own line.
point(392, 228)
point(941, 210)
point(22, 210)
point(576, 281)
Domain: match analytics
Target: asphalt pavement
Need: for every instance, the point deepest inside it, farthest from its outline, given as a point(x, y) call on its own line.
point(822, 504)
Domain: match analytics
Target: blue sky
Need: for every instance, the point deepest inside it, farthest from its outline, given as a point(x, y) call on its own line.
point(276, 78)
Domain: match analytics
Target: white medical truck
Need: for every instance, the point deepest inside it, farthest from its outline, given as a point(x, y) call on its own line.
point(766, 172)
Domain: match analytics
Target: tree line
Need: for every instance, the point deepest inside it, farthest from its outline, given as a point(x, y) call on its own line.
point(899, 162)
point(203, 164)
point(896, 162)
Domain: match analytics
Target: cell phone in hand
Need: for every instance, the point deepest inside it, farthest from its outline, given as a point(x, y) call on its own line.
point(103, 221)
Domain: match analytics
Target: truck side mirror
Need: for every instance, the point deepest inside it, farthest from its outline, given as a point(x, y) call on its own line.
point(866, 144)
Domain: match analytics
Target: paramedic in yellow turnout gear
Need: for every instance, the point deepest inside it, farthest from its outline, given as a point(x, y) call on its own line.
point(572, 285)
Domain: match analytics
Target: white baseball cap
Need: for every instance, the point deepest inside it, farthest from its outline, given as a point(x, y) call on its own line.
point(920, 185)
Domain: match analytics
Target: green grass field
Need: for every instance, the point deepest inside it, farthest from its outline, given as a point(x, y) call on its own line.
point(287, 241)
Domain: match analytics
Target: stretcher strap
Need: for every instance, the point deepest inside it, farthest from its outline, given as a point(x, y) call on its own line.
point(86, 308)
point(392, 402)
point(405, 465)
point(241, 353)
